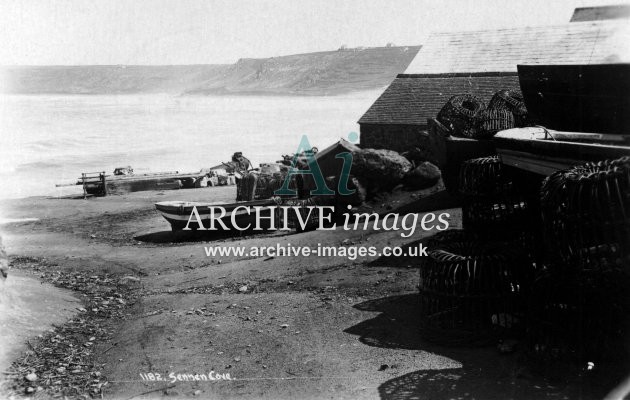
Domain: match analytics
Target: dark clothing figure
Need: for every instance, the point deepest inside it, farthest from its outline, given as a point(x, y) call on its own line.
point(241, 163)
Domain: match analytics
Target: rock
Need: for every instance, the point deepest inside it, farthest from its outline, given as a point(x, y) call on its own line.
point(29, 390)
point(197, 392)
point(379, 170)
point(425, 175)
point(243, 289)
point(419, 155)
point(284, 326)
point(4, 262)
point(32, 377)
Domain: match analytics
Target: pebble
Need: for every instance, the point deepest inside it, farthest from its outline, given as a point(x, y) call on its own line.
point(197, 392)
point(243, 289)
point(31, 377)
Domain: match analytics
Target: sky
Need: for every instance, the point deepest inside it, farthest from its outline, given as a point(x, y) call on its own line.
point(166, 32)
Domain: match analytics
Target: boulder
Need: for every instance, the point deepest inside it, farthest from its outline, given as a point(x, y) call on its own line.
point(425, 175)
point(379, 170)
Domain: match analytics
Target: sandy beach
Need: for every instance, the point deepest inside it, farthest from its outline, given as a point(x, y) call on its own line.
point(282, 327)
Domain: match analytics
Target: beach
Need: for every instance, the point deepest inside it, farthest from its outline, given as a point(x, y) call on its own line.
point(277, 327)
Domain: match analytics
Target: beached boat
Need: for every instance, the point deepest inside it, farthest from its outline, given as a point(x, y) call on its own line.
point(582, 113)
point(100, 183)
point(241, 213)
point(578, 98)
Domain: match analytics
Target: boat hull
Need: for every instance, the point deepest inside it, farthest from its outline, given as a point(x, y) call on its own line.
point(179, 213)
point(530, 149)
point(578, 98)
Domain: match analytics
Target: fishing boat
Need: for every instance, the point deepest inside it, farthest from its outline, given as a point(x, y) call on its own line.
point(121, 182)
point(238, 214)
point(581, 113)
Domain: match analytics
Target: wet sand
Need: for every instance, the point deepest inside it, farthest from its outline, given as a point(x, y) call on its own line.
point(28, 308)
point(304, 328)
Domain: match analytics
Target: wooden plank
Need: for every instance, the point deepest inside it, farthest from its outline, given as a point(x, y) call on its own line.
point(536, 164)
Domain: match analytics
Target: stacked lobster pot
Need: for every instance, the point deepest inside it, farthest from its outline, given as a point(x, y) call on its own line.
point(246, 187)
point(467, 116)
point(474, 282)
point(259, 186)
point(472, 289)
point(579, 308)
point(492, 204)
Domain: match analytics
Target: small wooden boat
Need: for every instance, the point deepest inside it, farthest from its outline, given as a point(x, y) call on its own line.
point(578, 98)
point(178, 213)
point(582, 113)
point(544, 151)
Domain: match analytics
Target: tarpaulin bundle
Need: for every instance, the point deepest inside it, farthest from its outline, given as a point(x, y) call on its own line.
point(460, 115)
point(586, 216)
point(471, 290)
point(493, 121)
point(512, 101)
point(578, 317)
point(491, 203)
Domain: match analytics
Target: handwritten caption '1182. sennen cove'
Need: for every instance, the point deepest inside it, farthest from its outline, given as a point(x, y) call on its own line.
point(173, 377)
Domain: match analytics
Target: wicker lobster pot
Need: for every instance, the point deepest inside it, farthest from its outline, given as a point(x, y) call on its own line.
point(483, 177)
point(266, 185)
point(471, 290)
point(512, 101)
point(246, 187)
point(578, 317)
point(493, 121)
point(310, 217)
point(460, 114)
point(586, 217)
point(491, 203)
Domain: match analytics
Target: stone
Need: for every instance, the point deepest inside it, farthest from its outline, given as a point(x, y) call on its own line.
point(379, 170)
point(425, 175)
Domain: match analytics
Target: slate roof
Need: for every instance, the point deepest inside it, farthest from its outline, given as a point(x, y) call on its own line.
point(411, 100)
point(484, 62)
point(597, 42)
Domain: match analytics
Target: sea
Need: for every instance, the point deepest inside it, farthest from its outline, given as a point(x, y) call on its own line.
point(47, 140)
